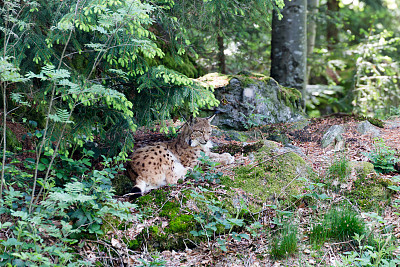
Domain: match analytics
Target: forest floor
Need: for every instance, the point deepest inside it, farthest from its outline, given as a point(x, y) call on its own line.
point(255, 252)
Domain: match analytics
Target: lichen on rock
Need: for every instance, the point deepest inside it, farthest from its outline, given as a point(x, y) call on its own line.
point(251, 100)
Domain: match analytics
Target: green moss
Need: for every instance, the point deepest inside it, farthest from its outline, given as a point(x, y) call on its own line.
point(247, 78)
point(170, 210)
point(13, 144)
point(157, 197)
point(133, 244)
point(362, 168)
point(289, 95)
point(154, 229)
point(161, 236)
point(374, 121)
point(272, 176)
point(370, 194)
point(181, 224)
point(245, 82)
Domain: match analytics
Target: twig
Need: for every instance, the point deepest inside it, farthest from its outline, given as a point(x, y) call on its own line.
point(295, 178)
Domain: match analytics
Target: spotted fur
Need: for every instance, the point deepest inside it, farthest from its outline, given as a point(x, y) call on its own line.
point(165, 163)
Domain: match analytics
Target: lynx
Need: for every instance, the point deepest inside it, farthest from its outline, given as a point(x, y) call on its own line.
point(163, 163)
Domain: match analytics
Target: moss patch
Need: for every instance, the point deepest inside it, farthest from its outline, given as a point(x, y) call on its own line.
point(290, 95)
point(274, 175)
point(173, 226)
point(362, 168)
point(370, 193)
point(12, 141)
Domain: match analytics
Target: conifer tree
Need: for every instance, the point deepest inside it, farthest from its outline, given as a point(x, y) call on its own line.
point(218, 21)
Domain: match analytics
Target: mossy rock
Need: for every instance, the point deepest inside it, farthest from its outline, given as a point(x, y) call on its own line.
point(174, 226)
point(362, 168)
point(274, 175)
point(269, 148)
point(370, 193)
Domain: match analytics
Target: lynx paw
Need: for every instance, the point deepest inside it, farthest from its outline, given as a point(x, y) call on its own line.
point(228, 158)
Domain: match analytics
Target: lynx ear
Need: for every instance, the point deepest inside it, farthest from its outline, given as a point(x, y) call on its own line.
point(211, 118)
point(191, 120)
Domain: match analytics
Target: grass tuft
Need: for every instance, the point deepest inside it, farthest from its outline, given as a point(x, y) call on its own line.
point(285, 243)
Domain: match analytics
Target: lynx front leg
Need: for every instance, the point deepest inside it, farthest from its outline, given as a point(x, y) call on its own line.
point(224, 158)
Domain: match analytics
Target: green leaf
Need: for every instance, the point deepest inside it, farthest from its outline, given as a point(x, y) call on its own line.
point(11, 242)
point(5, 225)
point(22, 214)
point(245, 236)
point(238, 222)
point(41, 167)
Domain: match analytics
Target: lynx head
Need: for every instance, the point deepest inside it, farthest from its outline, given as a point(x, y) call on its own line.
point(197, 132)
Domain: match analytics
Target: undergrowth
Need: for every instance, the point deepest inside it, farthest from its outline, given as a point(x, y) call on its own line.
point(383, 157)
point(338, 224)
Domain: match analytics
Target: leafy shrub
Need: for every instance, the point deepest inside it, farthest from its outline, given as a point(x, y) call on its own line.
point(366, 255)
point(383, 157)
point(376, 86)
point(205, 170)
point(215, 221)
point(44, 233)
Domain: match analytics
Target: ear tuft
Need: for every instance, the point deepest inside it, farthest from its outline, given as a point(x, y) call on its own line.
point(211, 118)
point(191, 120)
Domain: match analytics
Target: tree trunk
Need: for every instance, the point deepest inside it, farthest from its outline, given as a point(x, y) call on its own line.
point(221, 54)
point(332, 32)
point(289, 45)
point(312, 6)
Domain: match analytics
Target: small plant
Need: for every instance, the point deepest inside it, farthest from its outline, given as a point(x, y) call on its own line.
point(284, 243)
point(45, 235)
point(339, 170)
point(155, 262)
point(216, 222)
point(379, 255)
point(396, 202)
point(338, 224)
point(344, 223)
point(205, 171)
point(382, 157)
point(312, 190)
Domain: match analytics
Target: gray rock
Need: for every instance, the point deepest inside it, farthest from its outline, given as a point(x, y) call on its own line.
point(393, 125)
point(333, 135)
point(295, 149)
point(366, 127)
point(249, 103)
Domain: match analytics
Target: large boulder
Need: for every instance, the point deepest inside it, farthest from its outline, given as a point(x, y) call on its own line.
point(248, 101)
point(366, 127)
